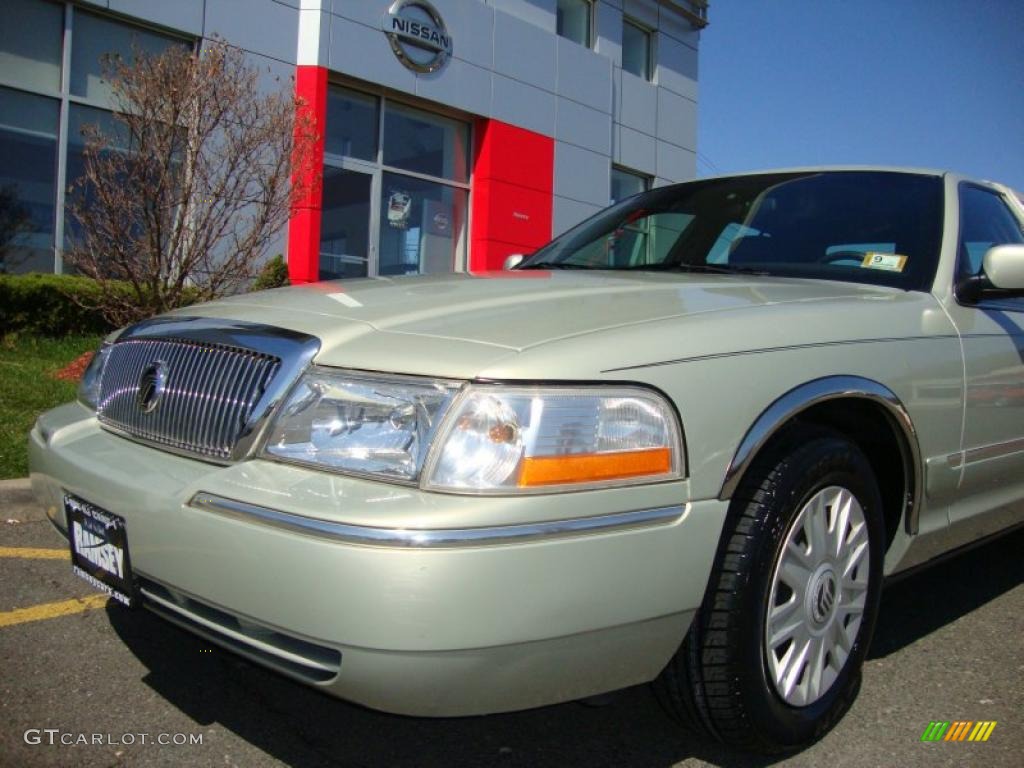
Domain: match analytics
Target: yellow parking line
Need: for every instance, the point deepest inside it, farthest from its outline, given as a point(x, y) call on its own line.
point(51, 610)
point(35, 554)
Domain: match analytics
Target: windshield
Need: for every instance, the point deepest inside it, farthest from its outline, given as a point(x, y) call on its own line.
point(874, 227)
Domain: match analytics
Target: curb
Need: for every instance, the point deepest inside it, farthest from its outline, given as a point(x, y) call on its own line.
point(17, 502)
point(16, 491)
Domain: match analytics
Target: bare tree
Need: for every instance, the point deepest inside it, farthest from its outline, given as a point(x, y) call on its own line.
point(182, 199)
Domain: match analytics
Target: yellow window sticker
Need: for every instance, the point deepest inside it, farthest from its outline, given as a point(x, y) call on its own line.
point(890, 262)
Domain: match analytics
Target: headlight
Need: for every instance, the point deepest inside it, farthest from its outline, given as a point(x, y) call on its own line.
point(89, 387)
point(522, 439)
point(480, 438)
point(362, 424)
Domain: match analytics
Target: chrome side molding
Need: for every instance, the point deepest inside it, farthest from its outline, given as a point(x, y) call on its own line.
point(986, 452)
point(431, 538)
point(818, 391)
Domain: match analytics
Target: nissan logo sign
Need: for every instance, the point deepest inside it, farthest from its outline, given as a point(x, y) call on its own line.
point(417, 35)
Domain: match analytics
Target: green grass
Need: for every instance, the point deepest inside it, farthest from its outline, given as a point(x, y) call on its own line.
point(27, 388)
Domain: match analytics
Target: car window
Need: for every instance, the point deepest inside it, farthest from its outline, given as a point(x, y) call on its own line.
point(985, 220)
point(876, 227)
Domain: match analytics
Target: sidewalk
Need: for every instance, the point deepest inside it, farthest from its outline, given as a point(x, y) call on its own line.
point(17, 503)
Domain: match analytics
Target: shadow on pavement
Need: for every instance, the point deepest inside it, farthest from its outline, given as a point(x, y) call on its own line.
point(929, 599)
point(302, 727)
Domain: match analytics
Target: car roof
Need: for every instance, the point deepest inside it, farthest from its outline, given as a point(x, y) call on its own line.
point(954, 175)
point(833, 168)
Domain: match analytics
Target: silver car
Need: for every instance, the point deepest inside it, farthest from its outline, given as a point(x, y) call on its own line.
point(685, 442)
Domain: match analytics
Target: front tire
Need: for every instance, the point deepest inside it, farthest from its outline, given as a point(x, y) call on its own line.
point(772, 660)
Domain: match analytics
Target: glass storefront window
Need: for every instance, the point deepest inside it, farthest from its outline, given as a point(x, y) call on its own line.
point(30, 43)
point(345, 226)
point(28, 176)
point(36, 37)
point(424, 143)
point(79, 117)
point(421, 225)
point(96, 37)
point(352, 123)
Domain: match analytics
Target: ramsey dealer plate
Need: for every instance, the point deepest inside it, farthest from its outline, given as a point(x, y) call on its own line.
point(99, 549)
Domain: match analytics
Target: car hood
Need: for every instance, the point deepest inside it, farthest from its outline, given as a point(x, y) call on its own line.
point(459, 324)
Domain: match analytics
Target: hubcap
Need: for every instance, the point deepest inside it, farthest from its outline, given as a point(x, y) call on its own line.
point(822, 595)
point(818, 592)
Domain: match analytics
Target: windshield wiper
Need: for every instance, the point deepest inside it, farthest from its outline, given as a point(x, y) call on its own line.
point(555, 265)
point(714, 269)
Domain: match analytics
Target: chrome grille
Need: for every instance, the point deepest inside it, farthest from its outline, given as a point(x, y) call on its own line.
point(209, 393)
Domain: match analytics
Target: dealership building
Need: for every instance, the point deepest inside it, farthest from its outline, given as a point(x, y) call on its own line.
point(453, 132)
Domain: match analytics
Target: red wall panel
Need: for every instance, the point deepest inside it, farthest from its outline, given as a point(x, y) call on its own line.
point(511, 213)
point(515, 155)
point(304, 226)
point(513, 181)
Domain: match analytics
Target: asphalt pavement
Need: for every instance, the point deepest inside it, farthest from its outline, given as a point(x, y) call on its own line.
point(86, 682)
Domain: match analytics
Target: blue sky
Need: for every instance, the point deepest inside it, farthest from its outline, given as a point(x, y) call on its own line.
point(929, 83)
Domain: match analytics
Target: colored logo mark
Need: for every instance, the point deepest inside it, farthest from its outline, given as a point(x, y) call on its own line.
point(958, 730)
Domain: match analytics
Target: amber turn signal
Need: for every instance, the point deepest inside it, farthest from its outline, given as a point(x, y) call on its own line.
point(594, 467)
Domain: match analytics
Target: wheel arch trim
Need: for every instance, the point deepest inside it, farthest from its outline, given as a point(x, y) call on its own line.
point(801, 398)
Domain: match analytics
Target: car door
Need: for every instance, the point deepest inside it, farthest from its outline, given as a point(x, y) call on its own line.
point(992, 331)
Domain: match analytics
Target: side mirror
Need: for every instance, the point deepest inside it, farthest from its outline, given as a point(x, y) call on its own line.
point(1002, 275)
point(1004, 267)
point(513, 260)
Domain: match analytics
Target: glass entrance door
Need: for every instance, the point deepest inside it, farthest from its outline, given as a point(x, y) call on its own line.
point(420, 225)
point(395, 188)
point(345, 227)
